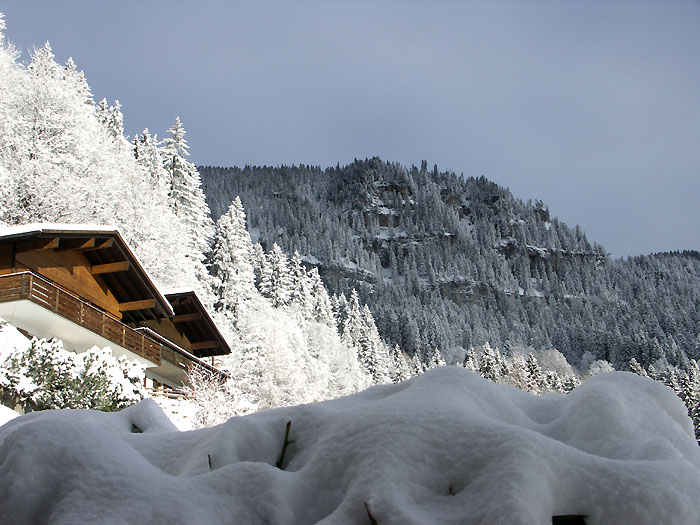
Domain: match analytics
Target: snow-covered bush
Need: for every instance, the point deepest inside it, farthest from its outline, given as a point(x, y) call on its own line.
point(215, 400)
point(599, 366)
point(46, 376)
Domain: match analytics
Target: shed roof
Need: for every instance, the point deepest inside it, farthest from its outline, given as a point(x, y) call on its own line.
point(193, 319)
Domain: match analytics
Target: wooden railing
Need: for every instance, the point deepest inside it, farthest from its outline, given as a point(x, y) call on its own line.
point(180, 357)
point(33, 287)
point(30, 286)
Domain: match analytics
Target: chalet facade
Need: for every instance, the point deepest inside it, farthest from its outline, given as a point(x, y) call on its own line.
point(84, 285)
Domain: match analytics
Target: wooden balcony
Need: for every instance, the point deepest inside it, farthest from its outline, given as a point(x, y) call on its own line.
point(32, 287)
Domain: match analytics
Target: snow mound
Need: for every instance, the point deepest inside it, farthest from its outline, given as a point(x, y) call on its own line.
point(444, 447)
point(11, 340)
point(6, 414)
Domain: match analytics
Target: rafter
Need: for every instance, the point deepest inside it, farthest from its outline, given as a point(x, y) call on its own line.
point(76, 244)
point(114, 267)
point(186, 318)
point(144, 304)
point(100, 244)
point(37, 244)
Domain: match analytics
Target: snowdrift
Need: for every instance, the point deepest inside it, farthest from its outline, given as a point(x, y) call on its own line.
point(444, 447)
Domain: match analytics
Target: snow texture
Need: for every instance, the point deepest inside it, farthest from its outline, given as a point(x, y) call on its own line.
point(443, 447)
point(6, 414)
point(11, 340)
point(9, 231)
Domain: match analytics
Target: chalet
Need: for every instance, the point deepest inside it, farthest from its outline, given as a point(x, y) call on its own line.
point(84, 285)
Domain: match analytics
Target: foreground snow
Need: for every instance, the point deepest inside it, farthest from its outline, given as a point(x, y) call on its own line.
point(6, 414)
point(444, 447)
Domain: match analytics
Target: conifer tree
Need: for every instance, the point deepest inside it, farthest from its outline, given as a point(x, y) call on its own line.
point(321, 308)
point(186, 195)
point(276, 279)
point(360, 331)
point(534, 377)
point(230, 263)
point(400, 365)
point(470, 360)
point(436, 359)
point(488, 363)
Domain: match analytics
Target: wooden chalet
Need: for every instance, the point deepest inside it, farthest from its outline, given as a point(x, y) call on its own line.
point(84, 285)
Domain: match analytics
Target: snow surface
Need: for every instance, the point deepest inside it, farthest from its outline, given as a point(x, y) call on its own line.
point(6, 414)
point(22, 229)
point(443, 447)
point(11, 340)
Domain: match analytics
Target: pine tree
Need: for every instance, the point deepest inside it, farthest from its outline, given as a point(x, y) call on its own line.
point(436, 359)
point(635, 367)
point(231, 261)
point(186, 195)
point(470, 360)
point(488, 364)
point(360, 331)
point(534, 377)
point(276, 279)
point(400, 365)
point(300, 292)
point(321, 308)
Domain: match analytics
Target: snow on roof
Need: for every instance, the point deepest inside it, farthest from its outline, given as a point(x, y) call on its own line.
point(175, 291)
point(443, 447)
point(11, 231)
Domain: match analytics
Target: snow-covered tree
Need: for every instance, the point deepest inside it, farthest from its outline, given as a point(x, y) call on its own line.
point(186, 195)
point(533, 373)
point(360, 331)
point(231, 261)
point(276, 279)
point(470, 360)
point(400, 368)
point(215, 399)
point(45, 376)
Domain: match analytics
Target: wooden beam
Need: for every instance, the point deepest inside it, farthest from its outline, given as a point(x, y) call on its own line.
point(76, 244)
point(186, 318)
point(114, 267)
point(37, 244)
point(100, 244)
point(203, 345)
point(144, 304)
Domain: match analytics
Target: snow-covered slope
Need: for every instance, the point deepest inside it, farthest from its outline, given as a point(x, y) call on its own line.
point(449, 262)
point(444, 447)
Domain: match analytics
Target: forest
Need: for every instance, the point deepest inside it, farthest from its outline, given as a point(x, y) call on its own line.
point(449, 262)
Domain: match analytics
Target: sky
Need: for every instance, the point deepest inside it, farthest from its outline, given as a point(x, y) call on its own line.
point(593, 107)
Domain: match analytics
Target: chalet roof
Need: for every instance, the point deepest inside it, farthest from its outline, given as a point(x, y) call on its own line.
point(110, 258)
point(194, 321)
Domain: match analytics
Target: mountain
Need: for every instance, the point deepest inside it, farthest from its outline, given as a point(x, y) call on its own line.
point(450, 262)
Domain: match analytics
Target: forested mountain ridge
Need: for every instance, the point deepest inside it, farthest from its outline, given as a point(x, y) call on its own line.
point(450, 262)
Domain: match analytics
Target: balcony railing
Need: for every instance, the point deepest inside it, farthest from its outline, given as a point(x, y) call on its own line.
point(33, 287)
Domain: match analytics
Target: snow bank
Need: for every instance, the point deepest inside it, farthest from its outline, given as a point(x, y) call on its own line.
point(444, 447)
point(6, 414)
point(11, 340)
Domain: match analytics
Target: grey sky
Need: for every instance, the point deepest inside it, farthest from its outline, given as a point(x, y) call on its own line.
point(592, 106)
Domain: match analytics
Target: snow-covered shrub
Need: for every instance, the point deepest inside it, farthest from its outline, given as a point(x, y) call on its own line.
point(46, 376)
point(215, 400)
point(599, 366)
